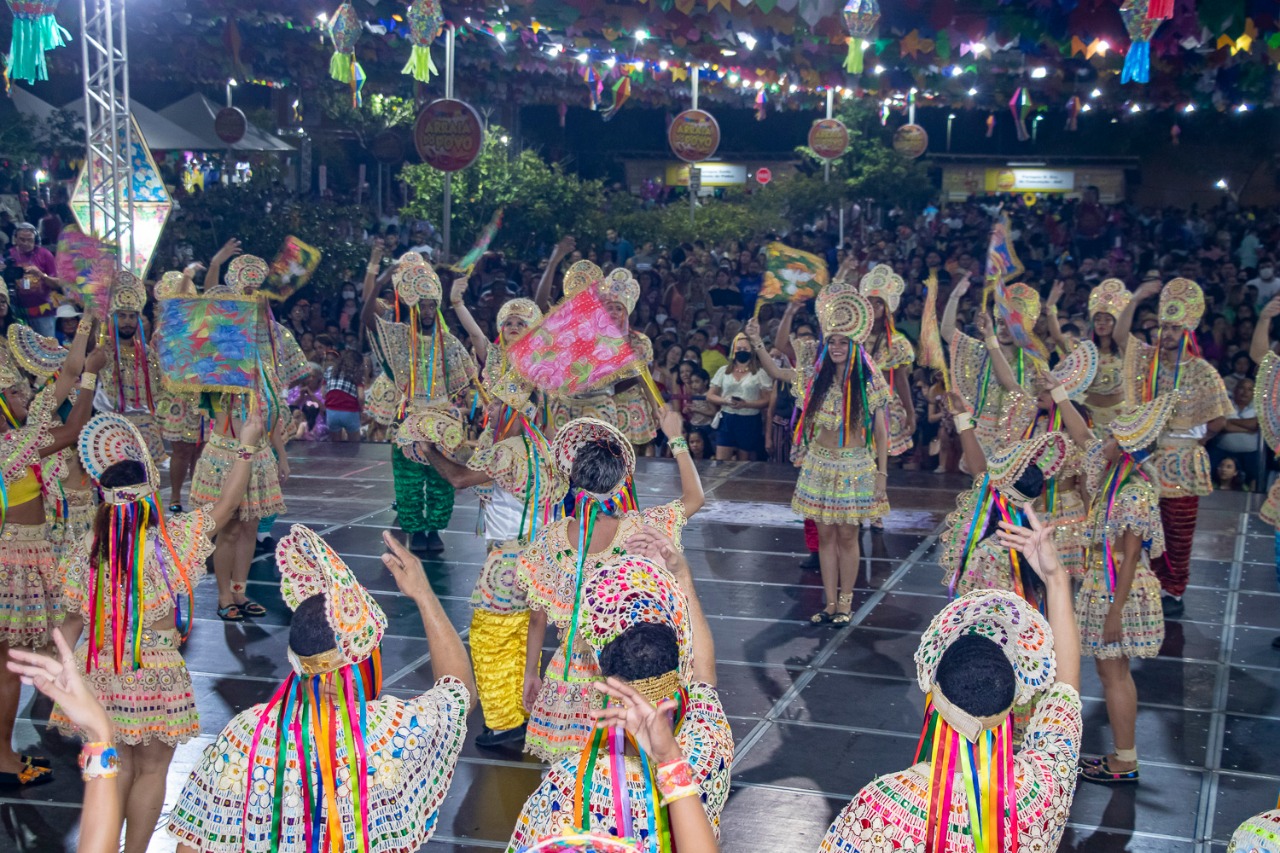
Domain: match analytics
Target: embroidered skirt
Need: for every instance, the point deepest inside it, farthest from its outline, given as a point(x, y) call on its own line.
point(498, 642)
point(1069, 530)
point(838, 486)
point(900, 438)
point(181, 419)
point(1270, 511)
point(635, 418)
point(155, 702)
point(1142, 621)
point(30, 589)
point(562, 719)
point(564, 409)
point(262, 497)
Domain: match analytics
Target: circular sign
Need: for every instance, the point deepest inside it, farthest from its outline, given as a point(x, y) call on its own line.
point(764, 176)
point(230, 125)
point(1006, 180)
point(910, 141)
point(1029, 199)
point(829, 138)
point(448, 135)
point(694, 135)
point(387, 148)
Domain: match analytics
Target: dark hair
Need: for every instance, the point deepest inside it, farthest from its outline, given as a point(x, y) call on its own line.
point(124, 473)
point(309, 630)
point(699, 373)
point(827, 377)
point(599, 466)
point(975, 676)
point(645, 650)
point(1031, 484)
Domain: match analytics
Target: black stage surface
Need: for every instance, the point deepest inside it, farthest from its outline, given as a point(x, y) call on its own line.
point(816, 712)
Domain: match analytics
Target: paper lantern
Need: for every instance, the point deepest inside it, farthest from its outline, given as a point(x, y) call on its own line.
point(344, 31)
point(860, 18)
point(426, 20)
point(35, 30)
point(1141, 27)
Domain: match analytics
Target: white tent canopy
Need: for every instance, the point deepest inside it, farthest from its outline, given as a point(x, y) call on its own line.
point(29, 105)
point(197, 113)
point(161, 133)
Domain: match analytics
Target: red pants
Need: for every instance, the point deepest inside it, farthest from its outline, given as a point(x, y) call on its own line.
point(811, 536)
point(1173, 568)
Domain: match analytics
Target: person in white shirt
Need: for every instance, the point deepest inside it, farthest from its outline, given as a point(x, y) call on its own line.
point(1266, 283)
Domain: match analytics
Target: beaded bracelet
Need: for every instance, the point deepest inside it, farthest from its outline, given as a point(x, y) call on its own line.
point(372, 269)
point(88, 381)
point(99, 761)
point(678, 445)
point(963, 421)
point(247, 452)
point(675, 781)
point(991, 341)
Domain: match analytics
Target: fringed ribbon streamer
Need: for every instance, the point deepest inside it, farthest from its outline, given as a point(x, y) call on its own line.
point(1137, 63)
point(35, 30)
point(420, 65)
point(1020, 106)
point(977, 523)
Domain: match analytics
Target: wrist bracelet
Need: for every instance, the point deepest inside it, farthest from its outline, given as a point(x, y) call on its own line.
point(1053, 310)
point(963, 421)
point(991, 341)
point(372, 269)
point(1058, 393)
point(99, 761)
point(679, 444)
point(247, 452)
point(675, 781)
point(88, 381)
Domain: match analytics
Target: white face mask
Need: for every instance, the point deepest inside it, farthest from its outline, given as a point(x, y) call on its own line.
point(348, 294)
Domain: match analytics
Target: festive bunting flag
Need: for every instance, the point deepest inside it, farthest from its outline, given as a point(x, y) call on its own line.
point(791, 275)
point(208, 344)
point(1002, 261)
point(291, 269)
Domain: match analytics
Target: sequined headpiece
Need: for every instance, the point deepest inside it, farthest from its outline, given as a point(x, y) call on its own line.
point(308, 566)
point(842, 310)
point(128, 293)
point(631, 590)
point(1075, 373)
point(1026, 302)
point(573, 435)
point(168, 286)
point(883, 282)
point(1181, 303)
point(520, 309)
point(1138, 427)
point(416, 283)
point(1047, 451)
point(9, 375)
point(1005, 619)
point(620, 286)
point(1110, 297)
point(40, 356)
point(580, 276)
point(246, 273)
point(109, 439)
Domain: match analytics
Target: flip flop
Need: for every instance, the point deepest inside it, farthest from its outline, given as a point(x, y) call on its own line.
point(230, 613)
point(249, 607)
point(28, 777)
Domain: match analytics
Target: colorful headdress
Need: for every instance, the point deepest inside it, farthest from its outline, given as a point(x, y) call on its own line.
point(971, 759)
point(620, 286)
point(426, 20)
point(128, 293)
point(1075, 373)
point(246, 273)
point(9, 375)
point(116, 596)
point(630, 590)
point(40, 356)
point(521, 309)
point(1138, 427)
point(884, 283)
point(842, 310)
point(169, 285)
point(109, 439)
point(580, 276)
point(1110, 297)
point(308, 566)
point(573, 435)
point(1048, 452)
point(433, 425)
point(416, 283)
point(1181, 304)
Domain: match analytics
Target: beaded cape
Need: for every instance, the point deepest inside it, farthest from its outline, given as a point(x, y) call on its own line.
point(1203, 396)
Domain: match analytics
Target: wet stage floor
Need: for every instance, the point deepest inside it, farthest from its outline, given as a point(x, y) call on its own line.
point(816, 712)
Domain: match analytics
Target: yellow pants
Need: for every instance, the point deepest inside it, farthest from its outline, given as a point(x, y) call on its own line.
point(498, 642)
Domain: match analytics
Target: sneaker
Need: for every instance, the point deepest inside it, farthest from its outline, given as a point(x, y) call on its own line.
point(434, 543)
point(811, 561)
point(1172, 606)
point(418, 542)
point(490, 738)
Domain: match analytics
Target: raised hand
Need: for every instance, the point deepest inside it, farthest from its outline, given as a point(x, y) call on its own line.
point(60, 680)
point(229, 250)
point(252, 430)
point(651, 726)
point(405, 568)
point(1271, 309)
point(1035, 541)
point(1055, 293)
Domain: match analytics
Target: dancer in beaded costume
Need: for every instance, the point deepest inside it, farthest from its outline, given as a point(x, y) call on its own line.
point(129, 586)
point(600, 464)
point(892, 353)
point(1107, 302)
point(1180, 460)
point(642, 622)
point(326, 764)
point(843, 436)
point(31, 605)
point(1266, 402)
point(1258, 834)
point(1118, 604)
point(982, 654)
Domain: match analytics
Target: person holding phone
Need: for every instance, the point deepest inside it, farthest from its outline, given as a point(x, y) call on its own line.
point(741, 390)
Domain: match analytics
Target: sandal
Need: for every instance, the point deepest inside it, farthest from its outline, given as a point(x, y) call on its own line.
point(1102, 774)
point(248, 607)
point(175, 507)
point(27, 777)
point(843, 617)
point(230, 613)
point(824, 616)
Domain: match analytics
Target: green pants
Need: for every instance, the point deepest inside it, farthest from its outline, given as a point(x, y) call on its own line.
point(424, 499)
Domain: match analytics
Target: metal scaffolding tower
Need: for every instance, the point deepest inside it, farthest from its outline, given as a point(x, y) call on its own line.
point(108, 128)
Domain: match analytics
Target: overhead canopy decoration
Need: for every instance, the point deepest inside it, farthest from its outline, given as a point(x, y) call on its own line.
point(958, 53)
